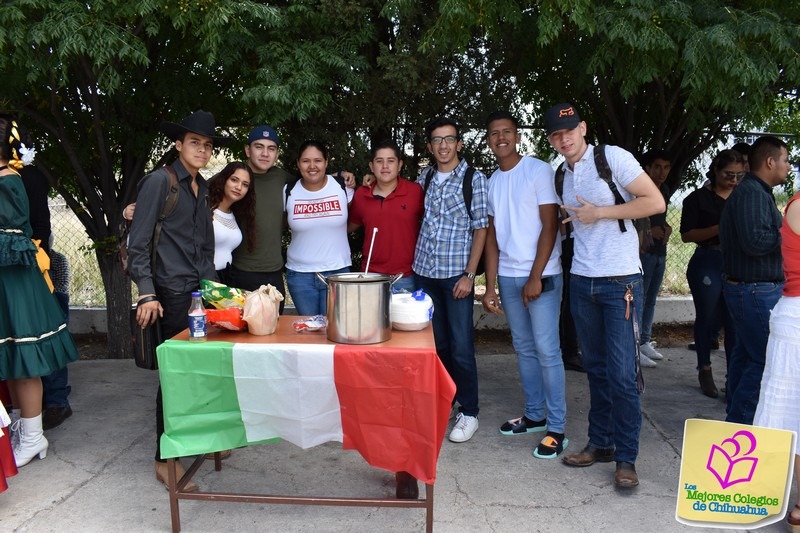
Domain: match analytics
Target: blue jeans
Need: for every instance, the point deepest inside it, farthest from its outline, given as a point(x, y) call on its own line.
point(408, 283)
point(704, 275)
point(609, 355)
point(55, 386)
point(309, 294)
point(453, 333)
point(653, 267)
point(534, 332)
point(750, 305)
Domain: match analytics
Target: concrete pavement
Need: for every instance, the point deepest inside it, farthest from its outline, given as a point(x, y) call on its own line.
point(98, 475)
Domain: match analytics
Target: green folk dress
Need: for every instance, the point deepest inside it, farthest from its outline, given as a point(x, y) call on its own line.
point(34, 340)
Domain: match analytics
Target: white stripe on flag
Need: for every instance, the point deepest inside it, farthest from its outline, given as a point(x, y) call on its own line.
point(287, 391)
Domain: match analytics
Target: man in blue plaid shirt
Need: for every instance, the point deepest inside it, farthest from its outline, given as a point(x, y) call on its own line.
point(446, 259)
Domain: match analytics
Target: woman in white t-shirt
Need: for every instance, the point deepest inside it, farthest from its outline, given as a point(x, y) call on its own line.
point(316, 210)
point(234, 203)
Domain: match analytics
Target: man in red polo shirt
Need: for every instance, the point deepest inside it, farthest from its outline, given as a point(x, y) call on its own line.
point(394, 206)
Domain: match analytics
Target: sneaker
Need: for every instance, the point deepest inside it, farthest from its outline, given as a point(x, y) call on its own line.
point(646, 362)
point(647, 349)
point(522, 425)
point(465, 428)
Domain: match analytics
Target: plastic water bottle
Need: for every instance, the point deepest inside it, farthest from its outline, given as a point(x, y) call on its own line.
point(197, 320)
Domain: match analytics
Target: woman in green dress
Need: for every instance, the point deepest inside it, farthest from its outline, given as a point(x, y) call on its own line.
point(34, 340)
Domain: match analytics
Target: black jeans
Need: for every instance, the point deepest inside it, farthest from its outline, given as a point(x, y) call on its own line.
point(251, 281)
point(175, 320)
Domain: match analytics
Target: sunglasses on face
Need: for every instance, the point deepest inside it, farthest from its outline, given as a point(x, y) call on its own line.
point(733, 175)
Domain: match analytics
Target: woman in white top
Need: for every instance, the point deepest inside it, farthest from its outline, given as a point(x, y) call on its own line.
point(316, 209)
point(234, 203)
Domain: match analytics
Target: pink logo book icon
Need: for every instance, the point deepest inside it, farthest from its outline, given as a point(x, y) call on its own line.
point(730, 461)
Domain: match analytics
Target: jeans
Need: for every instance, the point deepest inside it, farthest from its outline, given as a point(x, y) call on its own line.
point(653, 267)
point(609, 355)
point(750, 305)
point(309, 294)
point(454, 336)
point(534, 333)
point(55, 386)
point(704, 275)
point(175, 320)
point(408, 283)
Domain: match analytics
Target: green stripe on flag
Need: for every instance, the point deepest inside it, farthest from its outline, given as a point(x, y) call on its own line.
point(201, 407)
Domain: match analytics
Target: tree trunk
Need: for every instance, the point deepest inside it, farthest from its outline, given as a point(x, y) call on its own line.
point(118, 303)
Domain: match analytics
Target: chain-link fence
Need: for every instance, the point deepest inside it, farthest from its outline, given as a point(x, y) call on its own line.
point(86, 288)
point(69, 238)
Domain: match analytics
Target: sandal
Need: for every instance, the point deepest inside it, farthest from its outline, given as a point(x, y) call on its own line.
point(522, 425)
point(551, 446)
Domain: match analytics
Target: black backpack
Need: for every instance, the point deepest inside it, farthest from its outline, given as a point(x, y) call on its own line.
point(466, 190)
point(642, 225)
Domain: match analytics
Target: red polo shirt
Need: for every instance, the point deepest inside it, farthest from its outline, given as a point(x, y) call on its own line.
point(397, 217)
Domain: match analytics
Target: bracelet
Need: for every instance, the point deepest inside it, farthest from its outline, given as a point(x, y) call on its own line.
point(470, 275)
point(147, 299)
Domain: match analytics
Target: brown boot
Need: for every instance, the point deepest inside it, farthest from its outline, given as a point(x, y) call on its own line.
point(707, 382)
point(162, 474)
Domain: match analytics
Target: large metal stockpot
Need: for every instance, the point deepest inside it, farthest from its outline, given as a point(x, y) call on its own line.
point(358, 307)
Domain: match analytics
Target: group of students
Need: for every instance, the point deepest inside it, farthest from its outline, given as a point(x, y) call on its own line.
point(435, 232)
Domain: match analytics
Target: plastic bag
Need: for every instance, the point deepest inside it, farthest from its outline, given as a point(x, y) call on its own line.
point(221, 296)
point(261, 309)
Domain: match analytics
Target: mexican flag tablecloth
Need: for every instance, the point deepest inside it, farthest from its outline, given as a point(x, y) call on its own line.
point(391, 404)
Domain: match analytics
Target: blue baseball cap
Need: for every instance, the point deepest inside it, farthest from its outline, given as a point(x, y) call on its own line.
point(263, 132)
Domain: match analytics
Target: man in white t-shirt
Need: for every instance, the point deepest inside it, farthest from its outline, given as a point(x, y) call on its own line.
point(523, 252)
point(605, 286)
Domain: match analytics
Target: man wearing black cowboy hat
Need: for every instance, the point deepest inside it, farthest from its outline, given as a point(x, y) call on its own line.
point(185, 249)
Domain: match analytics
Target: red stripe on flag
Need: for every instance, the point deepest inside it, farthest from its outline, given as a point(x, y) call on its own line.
point(395, 406)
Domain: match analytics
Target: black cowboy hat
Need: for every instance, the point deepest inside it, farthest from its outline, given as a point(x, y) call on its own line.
point(200, 122)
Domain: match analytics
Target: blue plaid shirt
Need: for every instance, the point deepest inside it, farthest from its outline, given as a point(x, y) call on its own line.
point(445, 239)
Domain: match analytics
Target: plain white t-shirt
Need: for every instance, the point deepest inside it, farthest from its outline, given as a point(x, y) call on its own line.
point(318, 220)
point(514, 199)
point(601, 249)
point(227, 236)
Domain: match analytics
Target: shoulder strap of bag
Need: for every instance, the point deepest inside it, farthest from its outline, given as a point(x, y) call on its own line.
point(604, 171)
point(170, 203)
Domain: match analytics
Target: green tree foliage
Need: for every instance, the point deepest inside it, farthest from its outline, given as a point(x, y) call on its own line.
point(93, 80)
point(645, 73)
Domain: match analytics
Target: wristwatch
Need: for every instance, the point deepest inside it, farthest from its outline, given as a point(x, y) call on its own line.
point(470, 275)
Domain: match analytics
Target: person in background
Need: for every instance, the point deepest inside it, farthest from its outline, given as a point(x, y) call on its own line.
point(394, 206)
point(605, 281)
point(779, 399)
point(702, 211)
point(316, 207)
point(654, 256)
point(749, 232)
point(744, 149)
point(522, 256)
point(34, 339)
point(56, 388)
point(233, 205)
point(185, 252)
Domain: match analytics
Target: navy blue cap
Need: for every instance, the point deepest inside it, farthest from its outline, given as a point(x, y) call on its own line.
point(263, 132)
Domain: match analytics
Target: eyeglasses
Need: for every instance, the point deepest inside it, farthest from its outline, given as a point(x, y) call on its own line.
point(733, 175)
point(450, 139)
